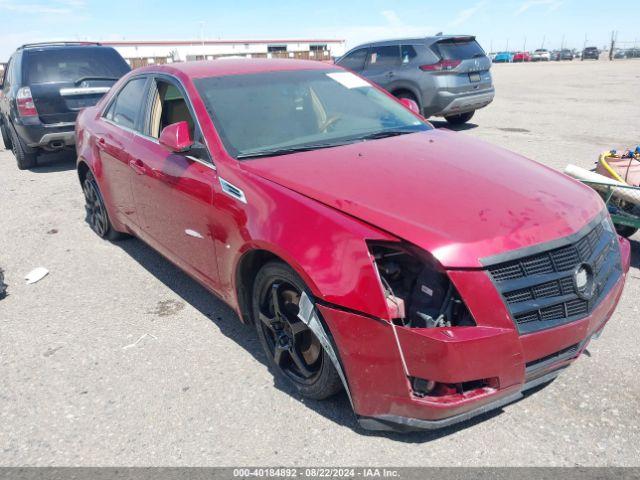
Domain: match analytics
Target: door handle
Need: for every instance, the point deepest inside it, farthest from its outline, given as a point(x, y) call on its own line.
point(101, 142)
point(138, 166)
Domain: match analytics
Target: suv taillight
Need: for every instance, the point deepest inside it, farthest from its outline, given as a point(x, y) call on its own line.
point(26, 107)
point(442, 65)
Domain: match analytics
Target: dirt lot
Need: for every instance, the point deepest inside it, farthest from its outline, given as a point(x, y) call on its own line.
point(194, 389)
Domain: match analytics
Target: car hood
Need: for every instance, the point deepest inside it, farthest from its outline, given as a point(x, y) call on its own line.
point(455, 196)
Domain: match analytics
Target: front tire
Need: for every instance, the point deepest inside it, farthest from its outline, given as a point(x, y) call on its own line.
point(24, 159)
point(96, 212)
point(460, 119)
point(292, 349)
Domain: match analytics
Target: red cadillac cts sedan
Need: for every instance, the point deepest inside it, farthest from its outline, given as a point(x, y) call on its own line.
point(432, 276)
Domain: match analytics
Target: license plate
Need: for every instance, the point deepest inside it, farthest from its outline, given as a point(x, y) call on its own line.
point(474, 77)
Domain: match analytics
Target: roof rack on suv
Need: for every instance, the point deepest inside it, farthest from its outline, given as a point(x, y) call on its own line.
point(53, 44)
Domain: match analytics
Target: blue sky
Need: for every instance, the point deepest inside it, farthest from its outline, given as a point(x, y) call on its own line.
point(494, 21)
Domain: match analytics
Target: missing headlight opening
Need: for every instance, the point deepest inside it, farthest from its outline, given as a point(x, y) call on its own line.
point(418, 291)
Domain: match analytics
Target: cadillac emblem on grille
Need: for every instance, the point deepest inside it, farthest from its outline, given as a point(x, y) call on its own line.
point(583, 281)
point(546, 287)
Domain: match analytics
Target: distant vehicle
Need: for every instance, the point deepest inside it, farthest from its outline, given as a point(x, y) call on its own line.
point(503, 57)
point(565, 55)
point(591, 53)
point(541, 55)
point(522, 57)
point(446, 76)
point(44, 87)
point(632, 53)
point(619, 54)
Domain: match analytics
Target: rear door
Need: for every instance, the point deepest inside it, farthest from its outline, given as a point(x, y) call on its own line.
point(469, 63)
point(114, 135)
point(67, 79)
point(382, 64)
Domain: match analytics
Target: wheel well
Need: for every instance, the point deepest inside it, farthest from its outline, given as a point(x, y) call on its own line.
point(406, 91)
point(249, 265)
point(83, 169)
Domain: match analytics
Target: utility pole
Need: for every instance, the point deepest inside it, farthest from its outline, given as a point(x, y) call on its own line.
point(544, 37)
point(507, 49)
point(562, 43)
point(524, 47)
point(613, 44)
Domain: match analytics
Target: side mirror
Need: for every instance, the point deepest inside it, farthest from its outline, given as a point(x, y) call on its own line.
point(176, 137)
point(411, 105)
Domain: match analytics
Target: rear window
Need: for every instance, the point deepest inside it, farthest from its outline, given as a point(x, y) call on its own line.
point(72, 64)
point(458, 49)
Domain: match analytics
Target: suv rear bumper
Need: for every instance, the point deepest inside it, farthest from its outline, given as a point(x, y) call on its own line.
point(47, 136)
point(455, 104)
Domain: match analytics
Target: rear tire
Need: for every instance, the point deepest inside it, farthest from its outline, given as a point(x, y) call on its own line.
point(24, 159)
point(97, 215)
point(460, 119)
point(293, 351)
point(5, 137)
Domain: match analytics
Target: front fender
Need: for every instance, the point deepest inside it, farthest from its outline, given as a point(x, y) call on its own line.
point(324, 246)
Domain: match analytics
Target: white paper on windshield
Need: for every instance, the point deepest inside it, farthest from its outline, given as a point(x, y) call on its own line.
point(348, 80)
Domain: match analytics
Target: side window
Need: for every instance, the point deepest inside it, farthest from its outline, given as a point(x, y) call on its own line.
point(383, 57)
point(126, 108)
point(355, 60)
point(7, 74)
point(169, 106)
point(407, 53)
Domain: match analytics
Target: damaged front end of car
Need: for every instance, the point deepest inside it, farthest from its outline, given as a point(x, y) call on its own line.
point(449, 349)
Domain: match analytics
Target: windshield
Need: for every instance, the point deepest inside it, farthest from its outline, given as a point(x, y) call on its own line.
point(73, 64)
point(281, 112)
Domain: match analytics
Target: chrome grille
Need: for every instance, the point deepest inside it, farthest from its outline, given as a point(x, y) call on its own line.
point(539, 289)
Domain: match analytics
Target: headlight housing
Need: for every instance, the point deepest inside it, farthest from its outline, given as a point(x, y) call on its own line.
point(419, 292)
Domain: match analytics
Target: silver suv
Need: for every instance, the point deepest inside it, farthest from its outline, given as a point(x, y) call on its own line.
point(446, 76)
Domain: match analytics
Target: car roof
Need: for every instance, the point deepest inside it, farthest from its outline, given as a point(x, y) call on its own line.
point(58, 45)
point(245, 66)
point(414, 40)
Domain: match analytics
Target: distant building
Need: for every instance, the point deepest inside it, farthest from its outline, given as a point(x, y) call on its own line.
point(141, 53)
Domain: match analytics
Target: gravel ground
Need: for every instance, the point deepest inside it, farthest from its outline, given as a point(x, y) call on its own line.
point(117, 358)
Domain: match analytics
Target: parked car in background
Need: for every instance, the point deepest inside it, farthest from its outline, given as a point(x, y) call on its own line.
point(503, 57)
point(565, 55)
point(541, 55)
point(521, 57)
point(370, 251)
point(591, 53)
point(619, 54)
point(45, 86)
point(447, 76)
point(632, 53)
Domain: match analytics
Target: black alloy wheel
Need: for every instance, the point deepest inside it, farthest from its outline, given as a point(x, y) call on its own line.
point(292, 349)
point(96, 212)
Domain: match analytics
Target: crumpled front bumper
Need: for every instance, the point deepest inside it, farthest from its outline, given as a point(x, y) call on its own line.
point(378, 358)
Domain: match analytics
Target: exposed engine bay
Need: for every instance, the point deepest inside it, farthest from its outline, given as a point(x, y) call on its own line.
point(418, 290)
